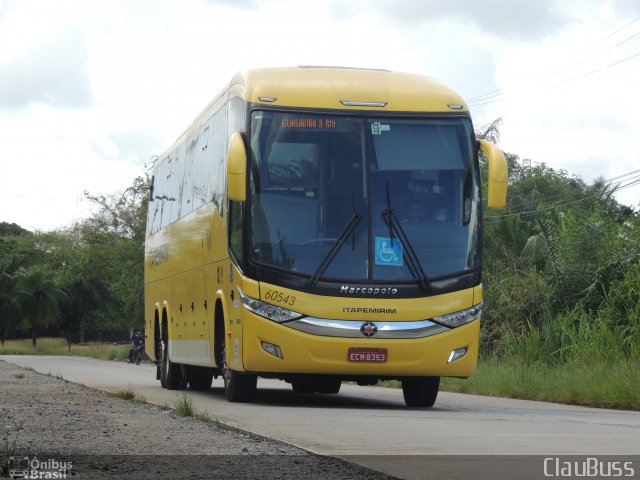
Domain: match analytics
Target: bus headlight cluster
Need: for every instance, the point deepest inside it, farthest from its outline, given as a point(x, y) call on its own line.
point(462, 317)
point(267, 310)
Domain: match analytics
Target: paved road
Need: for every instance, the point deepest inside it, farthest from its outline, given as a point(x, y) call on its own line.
point(371, 425)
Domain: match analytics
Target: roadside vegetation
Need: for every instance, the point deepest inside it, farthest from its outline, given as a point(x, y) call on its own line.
point(60, 346)
point(606, 385)
point(561, 277)
point(129, 395)
point(183, 407)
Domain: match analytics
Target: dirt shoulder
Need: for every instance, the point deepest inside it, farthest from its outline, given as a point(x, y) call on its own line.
point(49, 423)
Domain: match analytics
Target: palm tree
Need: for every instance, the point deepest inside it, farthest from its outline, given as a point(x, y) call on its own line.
point(84, 297)
point(39, 305)
point(490, 131)
point(10, 296)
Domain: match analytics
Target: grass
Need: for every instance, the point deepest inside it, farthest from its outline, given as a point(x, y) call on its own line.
point(57, 375)
point(183, 405)
point(600, 385)
point(130, 395)
point(204, 417)
point(613, 385)
point(59, 346)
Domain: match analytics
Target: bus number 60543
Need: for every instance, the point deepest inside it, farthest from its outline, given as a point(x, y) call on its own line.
point(280, 297)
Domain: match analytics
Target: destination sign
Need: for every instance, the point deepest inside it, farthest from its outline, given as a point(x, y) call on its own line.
point(308, 123)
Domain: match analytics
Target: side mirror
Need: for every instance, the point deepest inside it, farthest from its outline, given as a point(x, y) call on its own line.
point(237, 169)
point(497, 194)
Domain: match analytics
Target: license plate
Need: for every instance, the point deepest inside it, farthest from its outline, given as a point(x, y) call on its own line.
point(367, 355)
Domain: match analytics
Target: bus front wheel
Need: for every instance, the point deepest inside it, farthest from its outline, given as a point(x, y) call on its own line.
point(420, 391)
point(238, 387)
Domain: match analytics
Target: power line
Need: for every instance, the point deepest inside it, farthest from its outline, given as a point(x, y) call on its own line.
point(481, 99)
point(485, 95)
point(26, 195)
point(595, 71)
point(488, 103)
point(599, 41)
point(555, 85)
point(633, 181)
point(633, 176)
point(603, 51)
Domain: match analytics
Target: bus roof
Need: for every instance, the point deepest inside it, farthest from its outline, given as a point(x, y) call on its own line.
point(346, 88)
point(340, 88)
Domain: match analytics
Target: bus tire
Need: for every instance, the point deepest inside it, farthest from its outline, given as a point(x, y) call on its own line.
point(238, 387)
point(303, 385)
point(172, 375)
point(420, 391)
point(329, 385)
point(199, 378)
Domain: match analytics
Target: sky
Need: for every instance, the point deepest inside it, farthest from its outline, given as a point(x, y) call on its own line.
point(92, 90)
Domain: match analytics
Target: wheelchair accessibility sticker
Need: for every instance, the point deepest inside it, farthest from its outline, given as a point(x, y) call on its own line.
point(388, 252)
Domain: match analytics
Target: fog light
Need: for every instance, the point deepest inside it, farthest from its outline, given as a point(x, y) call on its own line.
point(456, 354)
point(272, 349)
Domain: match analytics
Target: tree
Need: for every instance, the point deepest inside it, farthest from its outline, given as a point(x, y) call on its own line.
point(10, 296)
point(15, 251)
point(11, 230)
point(98, 263)
point(113, 238)
point(123, 214)
point(559, 260)
point(39, 302)
point(83, 297)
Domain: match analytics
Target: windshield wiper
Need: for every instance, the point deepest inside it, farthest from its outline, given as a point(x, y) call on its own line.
point(413, 262)
point(287, 261)
point(349, 229)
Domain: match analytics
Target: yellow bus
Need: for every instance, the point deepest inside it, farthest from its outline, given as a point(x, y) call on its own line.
point(319, 225)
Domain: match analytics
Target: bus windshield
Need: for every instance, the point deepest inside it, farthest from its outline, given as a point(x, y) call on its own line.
point(350, 198)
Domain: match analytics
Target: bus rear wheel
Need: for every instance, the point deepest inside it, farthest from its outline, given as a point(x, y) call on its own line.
point(420, 391)
point(172, 375)
point(199, 378)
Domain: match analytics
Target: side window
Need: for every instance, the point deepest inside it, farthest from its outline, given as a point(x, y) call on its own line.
point(294, 165)
point(217, 153)
point(154, 213)
point(186, 151)
point(164, 209)
point(201, 166)
point(236, 231)
point(173, 190)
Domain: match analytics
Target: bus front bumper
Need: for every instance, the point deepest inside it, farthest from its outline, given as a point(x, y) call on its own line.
point(270, 347)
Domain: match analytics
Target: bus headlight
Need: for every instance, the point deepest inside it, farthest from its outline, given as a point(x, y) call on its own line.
point(462, 317)
point(267, 310)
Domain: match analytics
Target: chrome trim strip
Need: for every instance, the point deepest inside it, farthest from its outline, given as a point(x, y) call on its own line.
point(350, 103)
point(351, 328)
